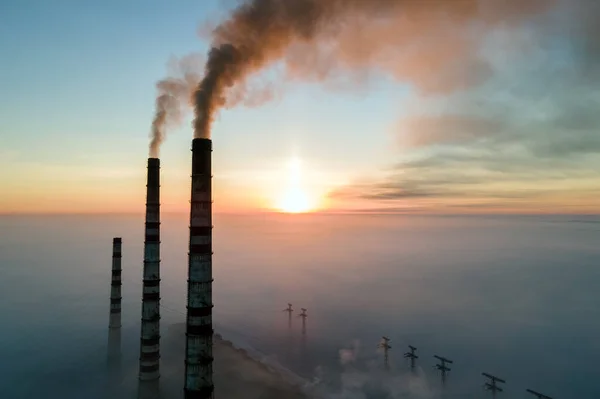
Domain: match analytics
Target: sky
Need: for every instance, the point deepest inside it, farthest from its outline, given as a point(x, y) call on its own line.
point(441, 110)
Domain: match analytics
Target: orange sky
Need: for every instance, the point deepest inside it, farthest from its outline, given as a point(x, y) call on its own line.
point(53, 192)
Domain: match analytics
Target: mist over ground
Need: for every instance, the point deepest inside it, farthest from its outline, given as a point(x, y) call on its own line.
point(509, 295)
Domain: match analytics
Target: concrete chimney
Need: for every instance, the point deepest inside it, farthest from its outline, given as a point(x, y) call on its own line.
point(150, 337)
point(199, 331)
point(115, 285)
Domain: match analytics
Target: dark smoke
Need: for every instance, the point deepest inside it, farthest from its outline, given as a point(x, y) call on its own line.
point(174, 94)
point(315, 37)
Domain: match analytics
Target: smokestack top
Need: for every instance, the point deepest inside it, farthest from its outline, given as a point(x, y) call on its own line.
point(116, 240)
point(201, 144)
point(153, 187)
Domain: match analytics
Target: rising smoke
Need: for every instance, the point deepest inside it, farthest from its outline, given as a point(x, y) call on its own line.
point(174, 95)
point(318, 38)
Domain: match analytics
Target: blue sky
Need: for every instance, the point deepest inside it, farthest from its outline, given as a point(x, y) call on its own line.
point(77, 91)
point(82, 74)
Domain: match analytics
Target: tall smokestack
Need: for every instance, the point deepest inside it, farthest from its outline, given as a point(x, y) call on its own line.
point(199, 331)
point(150, 337)
point(115, 285)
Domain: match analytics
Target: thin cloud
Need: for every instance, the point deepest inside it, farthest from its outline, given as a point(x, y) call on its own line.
point(424, 130)
point(529, 133)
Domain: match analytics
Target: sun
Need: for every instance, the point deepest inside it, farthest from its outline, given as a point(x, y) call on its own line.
point(294, 199)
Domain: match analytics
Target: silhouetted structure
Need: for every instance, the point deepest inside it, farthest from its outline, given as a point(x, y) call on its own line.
point(115, 285)
point(442, 366)
point(492, 385)
point(304, 316)
point(290, 311)
point(150, 334)
point(385, 345)
point(539, 395)
point(412, 356)
point(199, 330)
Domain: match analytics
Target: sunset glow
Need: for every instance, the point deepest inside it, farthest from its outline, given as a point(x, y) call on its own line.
point(294, 199)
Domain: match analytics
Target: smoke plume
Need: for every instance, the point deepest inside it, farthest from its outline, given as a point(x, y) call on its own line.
point(174, 94)
point(318, 38)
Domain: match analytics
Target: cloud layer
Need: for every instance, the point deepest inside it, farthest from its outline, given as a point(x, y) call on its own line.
point(525, 136)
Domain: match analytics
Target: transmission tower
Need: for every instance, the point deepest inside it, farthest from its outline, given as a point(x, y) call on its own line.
point(412, 356)
point(442, 366)
point(290, 311)
point(385, 345)
point(492, 385)
point(304, 316)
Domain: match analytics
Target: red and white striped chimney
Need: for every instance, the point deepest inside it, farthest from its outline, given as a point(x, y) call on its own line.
point(199, 331)
point(115, 285)
point(150, 335)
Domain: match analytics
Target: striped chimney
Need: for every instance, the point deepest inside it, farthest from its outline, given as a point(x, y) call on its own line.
point(150, 335)
point(115, 285)
point(199, 331)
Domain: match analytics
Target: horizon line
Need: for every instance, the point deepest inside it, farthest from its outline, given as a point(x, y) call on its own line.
point(329, 212)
